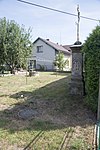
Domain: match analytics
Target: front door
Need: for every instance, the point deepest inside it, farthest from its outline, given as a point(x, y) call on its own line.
point(34, 64)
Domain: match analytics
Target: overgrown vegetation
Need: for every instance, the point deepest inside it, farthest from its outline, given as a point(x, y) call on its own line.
point(91, 49)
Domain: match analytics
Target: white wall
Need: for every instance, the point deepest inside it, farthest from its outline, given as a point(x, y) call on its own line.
point(46, 58)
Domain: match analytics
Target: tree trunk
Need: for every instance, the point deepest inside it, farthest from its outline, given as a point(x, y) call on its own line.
point(12, 69)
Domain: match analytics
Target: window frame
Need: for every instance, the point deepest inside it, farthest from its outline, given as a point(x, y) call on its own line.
point(40, 49)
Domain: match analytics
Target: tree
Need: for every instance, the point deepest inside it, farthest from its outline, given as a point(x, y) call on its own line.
point(15, 44)
point(59, 62)
point(91, 48)
point(2, 41)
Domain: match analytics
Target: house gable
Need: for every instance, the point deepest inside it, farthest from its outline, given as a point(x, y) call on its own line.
point(53, 45)
point(46, 51)
point(46, 56)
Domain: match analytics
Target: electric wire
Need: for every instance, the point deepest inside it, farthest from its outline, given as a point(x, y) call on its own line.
point(60, 11)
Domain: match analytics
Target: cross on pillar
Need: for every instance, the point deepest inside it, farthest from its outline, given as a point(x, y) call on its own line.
point(78, 22)
point(77, 81)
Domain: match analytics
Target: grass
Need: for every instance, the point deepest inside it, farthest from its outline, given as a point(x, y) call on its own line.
point(61, 122)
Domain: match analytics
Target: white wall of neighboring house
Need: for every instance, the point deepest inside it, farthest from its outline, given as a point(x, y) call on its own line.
point(46, 57)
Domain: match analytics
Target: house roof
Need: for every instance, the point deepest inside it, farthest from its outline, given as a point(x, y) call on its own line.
point(67, 47)
point(55, 46)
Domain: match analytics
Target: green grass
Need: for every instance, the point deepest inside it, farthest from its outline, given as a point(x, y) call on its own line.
point(59, 114)
point(80, 144)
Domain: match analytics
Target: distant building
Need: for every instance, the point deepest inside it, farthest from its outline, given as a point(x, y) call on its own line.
point(44, 53)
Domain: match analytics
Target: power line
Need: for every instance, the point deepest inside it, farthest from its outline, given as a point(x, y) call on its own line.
point(60, 11)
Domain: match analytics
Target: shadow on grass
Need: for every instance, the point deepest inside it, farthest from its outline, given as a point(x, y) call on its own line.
point(60, 73)
point(47, 108)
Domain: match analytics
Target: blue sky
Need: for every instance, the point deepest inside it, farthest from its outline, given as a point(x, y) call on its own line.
point(57, 27)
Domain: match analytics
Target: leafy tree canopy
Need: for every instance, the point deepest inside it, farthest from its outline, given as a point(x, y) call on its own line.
point(15, 44)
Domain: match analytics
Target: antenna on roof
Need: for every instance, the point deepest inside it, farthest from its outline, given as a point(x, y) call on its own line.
point(77, 23)
point(60, 39)
point(99, 22)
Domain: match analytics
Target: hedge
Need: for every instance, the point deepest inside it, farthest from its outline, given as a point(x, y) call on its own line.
point(91, 49)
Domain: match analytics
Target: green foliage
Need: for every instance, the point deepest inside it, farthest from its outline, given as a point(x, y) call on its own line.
point(15, 44)
point(2, 41)
point(91, 49)
point(59, 62)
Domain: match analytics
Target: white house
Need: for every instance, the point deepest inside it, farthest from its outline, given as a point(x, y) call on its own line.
point(44, 52)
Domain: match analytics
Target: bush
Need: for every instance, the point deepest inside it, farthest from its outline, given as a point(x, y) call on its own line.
point(59, 62)
point(91, 48)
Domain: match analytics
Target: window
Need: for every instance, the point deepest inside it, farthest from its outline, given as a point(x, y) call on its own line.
point(40, 49)
point(32, 64)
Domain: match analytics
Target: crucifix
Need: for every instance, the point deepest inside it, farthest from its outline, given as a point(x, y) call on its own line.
point(77, 80)
point(78, 22)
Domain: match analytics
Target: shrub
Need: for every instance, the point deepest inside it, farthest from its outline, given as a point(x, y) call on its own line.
point(59, 62)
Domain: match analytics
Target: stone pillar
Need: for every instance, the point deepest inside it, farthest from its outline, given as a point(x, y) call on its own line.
point(77, 82)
